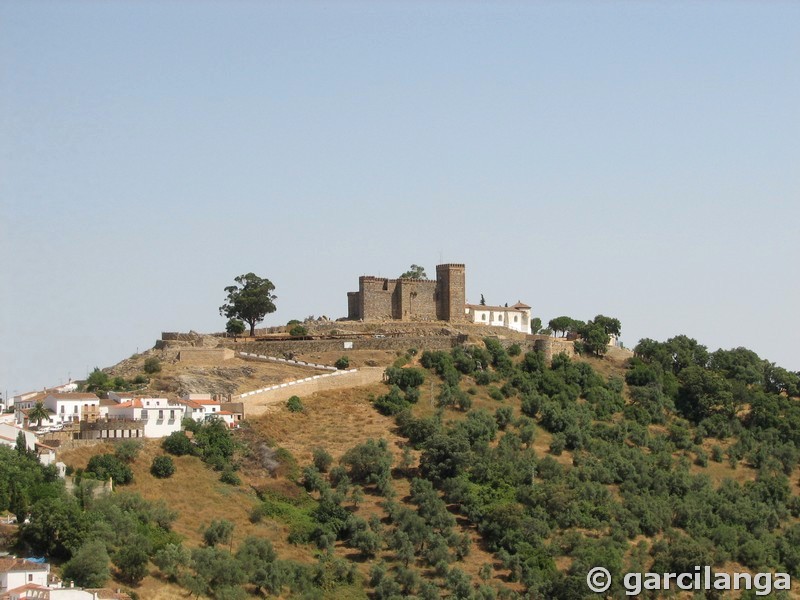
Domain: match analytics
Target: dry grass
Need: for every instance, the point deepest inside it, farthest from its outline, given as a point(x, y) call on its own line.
point(198, 497)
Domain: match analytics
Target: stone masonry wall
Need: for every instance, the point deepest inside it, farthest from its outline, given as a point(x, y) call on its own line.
point(376, 298)
point(417, 300)
point(278, 348)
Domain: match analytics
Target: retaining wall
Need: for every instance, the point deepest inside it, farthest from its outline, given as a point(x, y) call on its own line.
point(272, 348)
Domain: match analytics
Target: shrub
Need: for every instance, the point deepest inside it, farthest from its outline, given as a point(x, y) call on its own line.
point(298, 331)
point(152, 365)
point(342, 364)
point(405, 378)
point(104, 466)
point(558, 444)
point(514, 350)
point(368, 462)
point(391, 403)
point(178, 444)
point(483, 378)
point(219, 532)
point(294, 404)
point(504, 415)
point(230, 477)
point(128, 450)
point(496, 394)
point(322, 459)
point(162, 467)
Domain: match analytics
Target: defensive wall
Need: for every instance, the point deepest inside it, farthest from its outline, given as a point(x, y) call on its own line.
point(194, 355)
point(278, 347)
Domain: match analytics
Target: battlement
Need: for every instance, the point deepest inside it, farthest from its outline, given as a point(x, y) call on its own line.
point(409, 299)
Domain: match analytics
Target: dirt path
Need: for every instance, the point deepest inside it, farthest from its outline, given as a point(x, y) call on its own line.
point(258, 404)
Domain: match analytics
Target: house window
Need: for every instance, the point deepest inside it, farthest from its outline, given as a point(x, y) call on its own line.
point(161, 414)
point(30, 576)
point(516, 318)
point(483, 316)
point(500, 318)
point(62, 409)
point(75, 409)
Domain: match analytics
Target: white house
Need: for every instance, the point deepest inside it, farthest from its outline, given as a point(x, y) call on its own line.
point(161, 416)
point(70, 386)
point(516, 317)
point(18, 572)
point(201, 407)
point(64, 407)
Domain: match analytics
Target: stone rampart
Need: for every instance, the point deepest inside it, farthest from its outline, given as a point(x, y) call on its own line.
point(279, 347)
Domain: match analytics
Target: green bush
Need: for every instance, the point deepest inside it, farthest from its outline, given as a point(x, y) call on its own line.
point(230, 477)
point(162, 467)
point(178, 444)
point(342, 364)
point(558, 444)
point(294, 404)
point(128, 450)
point(103, 466)
point(496, 394)
point(298, 331)
point(152, 365)
point(322, 459)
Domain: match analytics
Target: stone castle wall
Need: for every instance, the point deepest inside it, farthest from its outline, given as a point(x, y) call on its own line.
point(204, 355)
point(280, 347)
point(410, 299)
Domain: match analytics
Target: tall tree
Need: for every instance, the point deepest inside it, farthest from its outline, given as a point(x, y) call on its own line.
point(250, 300)
point(560, 324)
point(536, 325)
point(483, 300)
point(414, 272)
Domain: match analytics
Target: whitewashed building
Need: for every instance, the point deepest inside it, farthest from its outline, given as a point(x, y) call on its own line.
point(64, 407)
point(200, 407)
point(17, 573)
point(161, 416)
point(516, 317)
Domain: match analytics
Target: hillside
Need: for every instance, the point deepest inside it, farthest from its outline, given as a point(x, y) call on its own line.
point(501, 481)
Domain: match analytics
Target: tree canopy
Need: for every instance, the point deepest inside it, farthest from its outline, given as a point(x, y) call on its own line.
point(250, 300)
point(414, 272)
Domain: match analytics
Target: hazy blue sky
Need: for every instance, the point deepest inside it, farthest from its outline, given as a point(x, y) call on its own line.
point(634, 159)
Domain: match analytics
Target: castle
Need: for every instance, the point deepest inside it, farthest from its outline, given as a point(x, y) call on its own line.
point(408, 299)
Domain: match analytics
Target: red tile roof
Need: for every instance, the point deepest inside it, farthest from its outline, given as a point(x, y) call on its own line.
point(8, 565)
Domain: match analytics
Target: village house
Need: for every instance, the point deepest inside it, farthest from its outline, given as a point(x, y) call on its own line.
point(160, 416)
point(200, 407)
point(23, 579)
point(71, 386)
point(63, 408)
point(516, 317)
point(18, 572)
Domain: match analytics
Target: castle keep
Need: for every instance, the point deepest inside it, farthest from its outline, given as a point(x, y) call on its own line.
point(411, 299)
